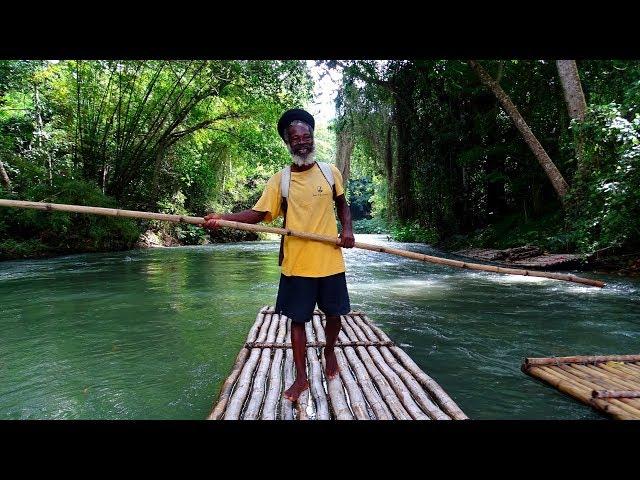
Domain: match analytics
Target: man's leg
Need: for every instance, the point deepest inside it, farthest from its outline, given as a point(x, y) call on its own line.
point(299, 344)
point(331, 331)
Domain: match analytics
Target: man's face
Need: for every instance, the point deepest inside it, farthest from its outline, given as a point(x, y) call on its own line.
point(300, 140)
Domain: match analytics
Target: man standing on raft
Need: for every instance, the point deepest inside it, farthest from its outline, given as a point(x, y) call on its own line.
point(312, 272)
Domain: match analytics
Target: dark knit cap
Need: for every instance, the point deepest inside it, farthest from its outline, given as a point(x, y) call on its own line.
point(292, 115)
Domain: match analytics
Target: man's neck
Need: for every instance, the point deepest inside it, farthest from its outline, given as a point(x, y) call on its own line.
point(297, 168)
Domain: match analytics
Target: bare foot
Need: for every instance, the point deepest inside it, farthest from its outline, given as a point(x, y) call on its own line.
point(332, 369)
point(296, 389)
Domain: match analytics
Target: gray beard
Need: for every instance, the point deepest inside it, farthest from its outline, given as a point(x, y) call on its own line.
point(303, 161)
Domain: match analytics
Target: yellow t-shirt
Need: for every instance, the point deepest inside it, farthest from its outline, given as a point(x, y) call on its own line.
point(310, 208)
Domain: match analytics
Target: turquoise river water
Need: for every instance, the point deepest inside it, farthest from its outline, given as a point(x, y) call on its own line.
point(152, 334)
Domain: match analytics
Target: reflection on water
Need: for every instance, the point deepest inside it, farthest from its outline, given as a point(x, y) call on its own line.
point(153, 333)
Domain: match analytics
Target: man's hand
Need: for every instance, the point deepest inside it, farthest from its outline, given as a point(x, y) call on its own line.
point(347, 240)
point(210, 221)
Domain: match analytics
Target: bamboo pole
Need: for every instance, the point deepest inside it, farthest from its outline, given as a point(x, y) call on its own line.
point(606, 380)
point(355, 396)
point(259, 380)
point(225, 390)
point(315, 378)
point(386, 390)
point(580, 359)
point(337, 399)
point(398, 386)
point(615, 394)
point(241, 389)
point(586, 386)
point(597, 377)
point(581, 379)
point(287, 232)
point(630, 378)
point(303, 404)
point(435, 390)
point(275, 375)
point(631, 374)
point(317, 344)
point(576, 392)
point(379, 407)
point(286, 407)
point(412, 384)
point(625, 368)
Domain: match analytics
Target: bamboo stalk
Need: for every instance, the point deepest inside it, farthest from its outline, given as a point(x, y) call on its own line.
point(576, 392)
point(241, 389)
point(259, 379)
point(286, 407)
point(626, 369)
point(581, 359)
point(287, 232)
point(615, 394)
point(435, 390)
point(586, 386)
point(605, 380)
point(355, 397)
point(398, 386)
point(607, 376)
point(412, 384)
point(315, 378)
point(581, 378)
point(387, 392)
point(303, 404)
point(317, 344)
point(225, 390)
point(629, 378)
point(379, 407)
point(337, 399)
point(631, 375)
point(596, 381)
point(275, 375)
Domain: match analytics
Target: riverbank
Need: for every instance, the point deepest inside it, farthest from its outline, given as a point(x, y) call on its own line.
point(605, 263)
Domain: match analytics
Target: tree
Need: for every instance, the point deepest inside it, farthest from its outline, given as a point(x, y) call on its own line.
point(576, 103)
point(556, 178)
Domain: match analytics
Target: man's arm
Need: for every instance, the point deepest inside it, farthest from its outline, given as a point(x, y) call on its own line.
point(245, 216)
point(344, 214)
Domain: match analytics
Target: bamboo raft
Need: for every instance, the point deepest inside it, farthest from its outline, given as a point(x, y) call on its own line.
point(525, 257)
point(609, 384)
point(377, 381)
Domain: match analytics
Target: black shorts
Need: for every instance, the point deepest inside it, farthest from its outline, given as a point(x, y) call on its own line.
point(297, 296)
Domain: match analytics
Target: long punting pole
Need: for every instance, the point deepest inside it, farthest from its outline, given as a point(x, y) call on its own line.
point(285, 231)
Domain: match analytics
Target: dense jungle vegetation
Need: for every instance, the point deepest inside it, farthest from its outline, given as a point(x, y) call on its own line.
point(456, 153)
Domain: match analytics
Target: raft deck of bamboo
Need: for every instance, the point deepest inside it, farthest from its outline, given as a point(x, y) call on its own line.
point(610, 384)
point(377, 380)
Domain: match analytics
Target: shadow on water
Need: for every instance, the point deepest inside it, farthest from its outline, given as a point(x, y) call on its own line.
point(153, 333)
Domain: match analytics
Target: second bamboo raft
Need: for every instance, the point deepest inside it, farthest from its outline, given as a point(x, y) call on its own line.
point(377, 381)
point(609, 384)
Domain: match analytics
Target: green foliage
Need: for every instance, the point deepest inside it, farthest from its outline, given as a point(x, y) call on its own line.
point(187, 137)
point(604, 205)
point(459, 165)
point(360, 190)
point(39, 232)
point(414, 233)
point(547, 231)
point(370, 225)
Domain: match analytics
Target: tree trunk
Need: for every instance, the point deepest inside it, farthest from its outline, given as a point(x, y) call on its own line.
point(5, 178)
point(403, 115)
point(576, 103)
point(40, 130)
point(343, 154)
point(573, 94)
point(556, 178)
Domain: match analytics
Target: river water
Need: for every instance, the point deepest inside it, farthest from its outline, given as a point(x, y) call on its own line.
point(152, 334)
